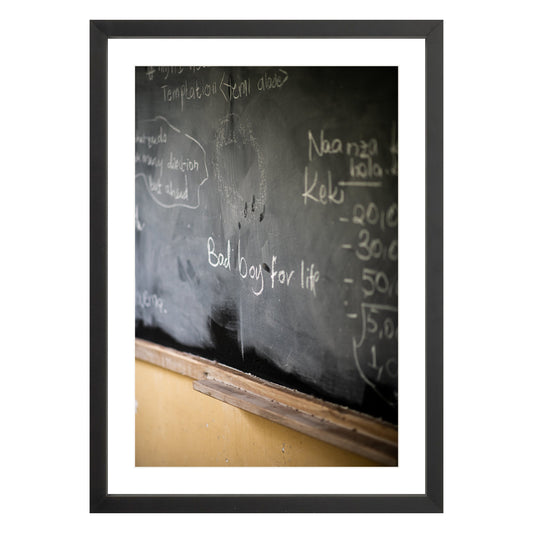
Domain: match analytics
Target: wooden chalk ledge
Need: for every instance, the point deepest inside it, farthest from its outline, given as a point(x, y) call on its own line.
point(322, 420)
point(349, 439)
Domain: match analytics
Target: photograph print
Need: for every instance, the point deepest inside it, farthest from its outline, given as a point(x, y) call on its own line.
point(266, 266)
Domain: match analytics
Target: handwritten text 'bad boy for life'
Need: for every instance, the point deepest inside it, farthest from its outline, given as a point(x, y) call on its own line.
point(306, 279)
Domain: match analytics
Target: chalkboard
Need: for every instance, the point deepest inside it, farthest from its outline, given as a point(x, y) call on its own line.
point(266, 224)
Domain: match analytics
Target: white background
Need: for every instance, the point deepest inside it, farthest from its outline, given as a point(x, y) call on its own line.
point(44, 221)
point(409, 476)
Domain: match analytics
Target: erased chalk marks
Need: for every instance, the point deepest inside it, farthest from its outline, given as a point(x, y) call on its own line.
point(171, 163)
point(240, 169)
point(253, 208)
point(187, 273)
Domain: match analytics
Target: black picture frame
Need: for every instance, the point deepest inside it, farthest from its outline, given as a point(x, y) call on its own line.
point(432, 500)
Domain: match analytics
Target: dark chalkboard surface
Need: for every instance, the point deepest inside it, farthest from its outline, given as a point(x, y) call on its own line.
point(266, 224)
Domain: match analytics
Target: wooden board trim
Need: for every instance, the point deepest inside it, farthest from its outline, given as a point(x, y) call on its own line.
point(371, 437)
point(348, 439)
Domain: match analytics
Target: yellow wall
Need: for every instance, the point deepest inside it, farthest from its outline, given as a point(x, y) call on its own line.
point(178, 426)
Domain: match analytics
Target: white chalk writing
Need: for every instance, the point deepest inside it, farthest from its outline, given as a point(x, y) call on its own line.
point(138, 224)
point(151, 140)
point(218, 259)
point(322, 193)
point(272, 80)
point(172, 177)
point(147, 300)
point(254, 271)
point(189, 90)
point(364, 167)
point(362, 148)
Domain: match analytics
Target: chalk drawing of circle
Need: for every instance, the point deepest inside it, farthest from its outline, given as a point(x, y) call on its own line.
point(239, 167)
point(182, 169)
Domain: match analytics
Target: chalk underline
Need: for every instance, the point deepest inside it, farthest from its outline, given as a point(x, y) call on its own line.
point(360, 183)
